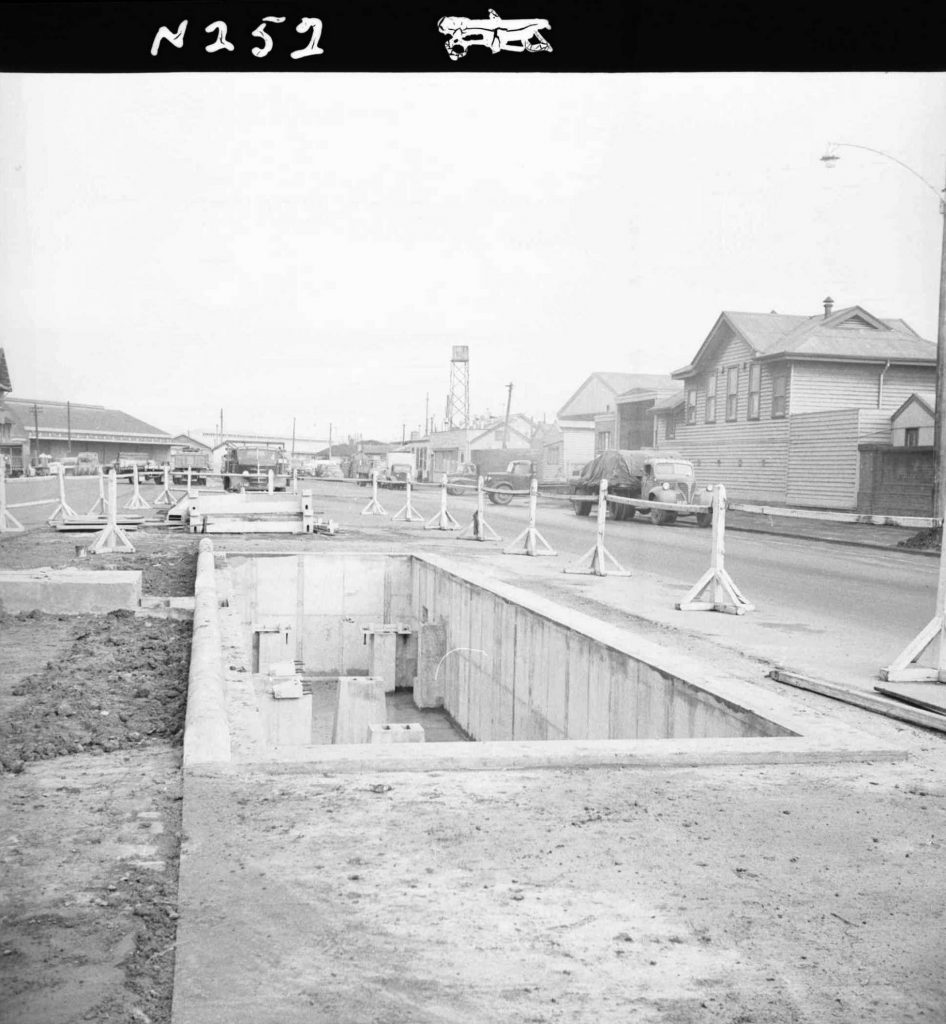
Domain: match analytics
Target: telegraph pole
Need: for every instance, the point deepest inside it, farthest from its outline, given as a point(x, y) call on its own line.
point(508, 407)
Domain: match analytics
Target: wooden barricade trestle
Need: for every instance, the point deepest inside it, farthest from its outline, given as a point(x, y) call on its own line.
point(136, 500)
point(165, 497)
point(597, 560)
point(63, 510)
point(407, 512)
point(479, 529)
point(527, 543)
point(374, 507)
point(904, 668)
point(724, 595)
point(112, 537)
point(100, 508)
point(442, 520)
point(8, 522)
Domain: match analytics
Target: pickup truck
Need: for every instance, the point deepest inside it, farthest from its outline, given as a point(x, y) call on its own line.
point(501, 487)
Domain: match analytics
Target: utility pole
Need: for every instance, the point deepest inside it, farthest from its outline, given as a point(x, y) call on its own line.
point(69, 425)
point(508, 407)
point(36, 429)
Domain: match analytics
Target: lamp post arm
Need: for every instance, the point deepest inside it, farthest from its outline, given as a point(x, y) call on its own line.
point(853, 145)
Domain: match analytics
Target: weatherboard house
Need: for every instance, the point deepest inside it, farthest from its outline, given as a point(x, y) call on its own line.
point(777, 406)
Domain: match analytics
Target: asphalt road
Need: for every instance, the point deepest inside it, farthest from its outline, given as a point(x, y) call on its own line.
point(836, 611)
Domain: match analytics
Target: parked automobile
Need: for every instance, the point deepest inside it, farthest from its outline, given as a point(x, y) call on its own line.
point(69, 465)
point(517, 477)
point(463, 480)
point(87, 464)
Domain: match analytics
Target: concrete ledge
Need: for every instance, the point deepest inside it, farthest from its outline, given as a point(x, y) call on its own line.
point(70, 591)
point(206, 728)
point(530, 754)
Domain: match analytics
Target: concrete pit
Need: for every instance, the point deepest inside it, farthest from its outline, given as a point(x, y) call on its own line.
point(464, 657)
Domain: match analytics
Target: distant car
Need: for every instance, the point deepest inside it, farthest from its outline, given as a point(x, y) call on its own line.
point(69, 466)
point(464, 480)
point(329, 471)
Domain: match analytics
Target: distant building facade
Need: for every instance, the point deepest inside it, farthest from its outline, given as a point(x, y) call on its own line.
point(776, 406)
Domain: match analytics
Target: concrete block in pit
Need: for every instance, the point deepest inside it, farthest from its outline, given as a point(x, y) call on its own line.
point(288, 720)
point(359, 705)
point(397, 732)
point(69, 591)
point(429, 681)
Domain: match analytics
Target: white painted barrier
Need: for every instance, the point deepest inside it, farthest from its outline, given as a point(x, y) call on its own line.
point(479, 528)
point(112, 537)
point(596, 560)
point(8, 522)
point(442, 520)
point(136, 500)
point(408, 513)
point(530, 541)
point(63, 510)
point(726, 596)
point(374, 507)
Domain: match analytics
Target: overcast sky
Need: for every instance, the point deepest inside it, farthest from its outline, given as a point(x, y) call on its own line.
point(312, 246)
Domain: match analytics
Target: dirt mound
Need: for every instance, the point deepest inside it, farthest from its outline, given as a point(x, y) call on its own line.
point(122, 681)
point(924, 540)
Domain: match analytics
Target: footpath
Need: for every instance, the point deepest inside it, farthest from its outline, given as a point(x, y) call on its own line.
point(855, 534)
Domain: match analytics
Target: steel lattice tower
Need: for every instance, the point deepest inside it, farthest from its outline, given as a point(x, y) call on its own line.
point(458, 400)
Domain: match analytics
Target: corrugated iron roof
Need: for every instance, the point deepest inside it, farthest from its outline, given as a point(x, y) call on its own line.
point(81, 418)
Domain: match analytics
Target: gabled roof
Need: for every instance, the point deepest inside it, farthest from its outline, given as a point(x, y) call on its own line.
point(5, 385)
point(192, 442)
point(616, 383)
point(851, 335)
point(56, 416)
point(925, 398)
point(673, 400)
point(643, 394)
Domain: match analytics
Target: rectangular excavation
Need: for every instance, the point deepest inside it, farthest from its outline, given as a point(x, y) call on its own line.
point(310, 641)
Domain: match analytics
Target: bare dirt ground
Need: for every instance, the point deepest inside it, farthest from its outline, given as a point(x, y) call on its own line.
point(91, 718)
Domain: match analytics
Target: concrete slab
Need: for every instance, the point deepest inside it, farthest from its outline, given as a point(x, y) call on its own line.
point(69, 591)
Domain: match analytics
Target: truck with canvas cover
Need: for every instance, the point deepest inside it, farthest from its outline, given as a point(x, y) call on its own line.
point(247, 467)
point(643, 473)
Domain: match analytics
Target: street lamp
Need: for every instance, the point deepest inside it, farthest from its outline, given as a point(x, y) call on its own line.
point(829, 159)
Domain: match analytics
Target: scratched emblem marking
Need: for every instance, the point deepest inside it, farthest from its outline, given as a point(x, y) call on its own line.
point(518, 35)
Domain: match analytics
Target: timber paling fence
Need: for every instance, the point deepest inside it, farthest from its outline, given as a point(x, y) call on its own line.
point(715, 590)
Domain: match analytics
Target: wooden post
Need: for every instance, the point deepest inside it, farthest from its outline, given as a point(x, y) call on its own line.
point(101, 504)
point(479, 529)
point(63, 510)
point(527, 541)
point(408, 512)
point(374, 508)
point(136, 500)
point(295, 481)
point(442, 520)
point(112, 537)
point(165, 497)
point(595, 561)
point(270, 482)
point(8, 522)
point(189, 492)
point(903, 668)
point(726, 596)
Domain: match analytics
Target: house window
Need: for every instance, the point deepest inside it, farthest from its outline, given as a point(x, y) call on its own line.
point(670, 429)
point(732, 392)
point(711, 398)
point(755, 387)
point(604, 441)
point(691, 405)
point(911, 437)
point(553, 455)
point(779, 392)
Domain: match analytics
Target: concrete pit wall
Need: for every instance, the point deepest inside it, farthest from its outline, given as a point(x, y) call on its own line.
point(311, 609)
point(509, 673)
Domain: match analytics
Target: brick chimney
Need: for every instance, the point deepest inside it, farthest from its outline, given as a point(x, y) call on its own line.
point(828, 306)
